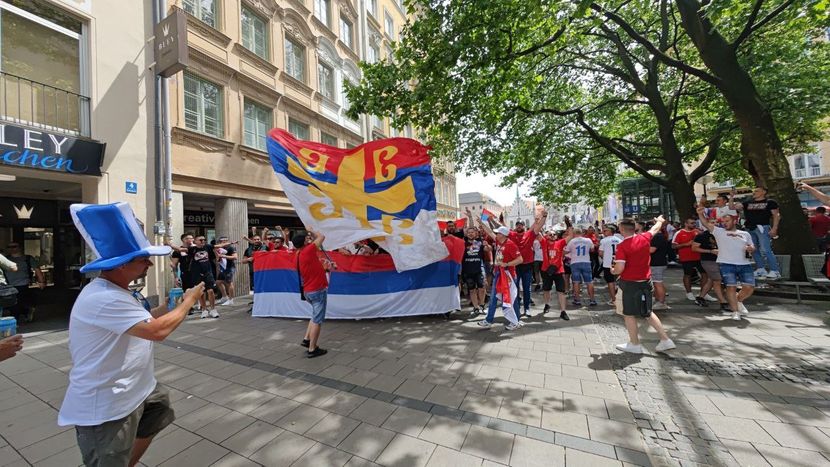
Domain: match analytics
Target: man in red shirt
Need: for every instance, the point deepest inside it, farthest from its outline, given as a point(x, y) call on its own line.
point(820, 225)
point(553, 269)
point(313, 286)
point(633, 264)
point(524, 240)
point(690, 260)
point(506, 257)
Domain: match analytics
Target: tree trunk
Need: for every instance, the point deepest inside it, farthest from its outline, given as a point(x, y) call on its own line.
point(684, 197)
point(761, 147)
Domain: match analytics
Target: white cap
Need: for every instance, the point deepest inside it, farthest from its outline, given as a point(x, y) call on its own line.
point(503, 230)
point(730, 212)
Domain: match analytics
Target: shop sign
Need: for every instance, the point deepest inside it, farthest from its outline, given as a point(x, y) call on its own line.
point(36, 149)
point(171, 44)
point(20, 211)
point(207, 219)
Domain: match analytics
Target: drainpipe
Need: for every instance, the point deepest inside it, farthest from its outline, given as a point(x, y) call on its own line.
point(157, 137)
point(164, 146)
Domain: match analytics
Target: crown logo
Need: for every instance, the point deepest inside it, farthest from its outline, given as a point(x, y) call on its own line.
point(165, 29)
point(23, 212)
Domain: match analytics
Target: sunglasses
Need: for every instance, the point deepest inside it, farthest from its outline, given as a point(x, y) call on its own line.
point(200, 239)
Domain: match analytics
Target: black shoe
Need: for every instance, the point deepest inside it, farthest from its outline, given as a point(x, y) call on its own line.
point(547, 309)
point(532, 303)
point(316, 352)
point(305, 343)
point(699, 301)
point(564, 315)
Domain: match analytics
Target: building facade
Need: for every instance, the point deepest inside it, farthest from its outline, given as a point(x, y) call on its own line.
point(75, 77)
point(477, 202)
point(521, 210)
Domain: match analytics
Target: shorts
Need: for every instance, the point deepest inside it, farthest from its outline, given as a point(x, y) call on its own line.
point(318, 301)
point(636, 298)
point(537, 267)
point(712, 270)
point(227, 274)
point(608, 276)
point(473, 280)
point(207, 278)
point(111, 443)
point(734, 273)
point(657, 273)
point(689, 268)
point(551, 277)
point(581, 272)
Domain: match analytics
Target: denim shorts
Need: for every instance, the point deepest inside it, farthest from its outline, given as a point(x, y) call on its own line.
point(734, 273)
point(318, 301)
point(581, 272)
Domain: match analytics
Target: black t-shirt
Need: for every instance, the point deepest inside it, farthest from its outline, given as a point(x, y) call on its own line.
point(707, 242)
point(202, 259)
point(249, 252)
point(230, 250)
point(184, 261)
point(457, 234)
point(758, 212)
point(473, 256)
point(661, 254)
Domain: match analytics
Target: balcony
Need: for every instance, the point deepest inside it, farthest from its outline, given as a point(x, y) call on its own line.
point(39, 105)
point(807, 172)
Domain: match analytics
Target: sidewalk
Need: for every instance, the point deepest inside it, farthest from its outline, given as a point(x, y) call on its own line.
point(425, 391)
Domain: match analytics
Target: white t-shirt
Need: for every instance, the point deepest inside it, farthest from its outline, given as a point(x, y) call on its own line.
point(537, 251)
point(732, 245)
point(608, 246)
point(579, 250)
point(112, 371)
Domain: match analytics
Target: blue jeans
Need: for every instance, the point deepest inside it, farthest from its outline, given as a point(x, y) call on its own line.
point(524, 275)
point(763, 247)
point(734, 274)
point(491, 308)
point(318, 300)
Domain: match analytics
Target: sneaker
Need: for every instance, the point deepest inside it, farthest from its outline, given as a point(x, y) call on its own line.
point(742, 309)
point(690, 296)
point(222, 301)
point(213, 313)
point(547, 308)
point(726, 312)
point(197, 307)
point(760, 273)
point(774, 275)
point(592, 303)
point(709, 298)
point(305, 343)
point(204, 314)
point(316, 352)
point(563, 315)
point(484, 324)
point(577, 302)
point(228, 302)
point(630, 348)
point(736, 316)
point(474, 313)
point(667, 344)
point(512, 327)
point(659, 306)
point(532, 303)
point(611, 303)
point(700, 301)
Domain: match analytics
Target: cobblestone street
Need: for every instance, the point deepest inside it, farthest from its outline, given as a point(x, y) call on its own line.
point(425, 391)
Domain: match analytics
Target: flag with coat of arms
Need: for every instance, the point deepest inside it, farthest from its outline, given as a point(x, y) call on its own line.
point(381, 190)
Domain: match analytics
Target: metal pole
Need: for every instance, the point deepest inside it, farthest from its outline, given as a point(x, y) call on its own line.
point(157, 133)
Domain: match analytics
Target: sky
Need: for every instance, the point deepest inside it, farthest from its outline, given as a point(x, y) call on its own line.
point(489, 185)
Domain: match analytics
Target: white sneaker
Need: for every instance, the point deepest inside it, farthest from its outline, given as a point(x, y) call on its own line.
point(197, 307)
point(690, 296)
point(630, 348)
point(667, 344)
point(742, 309)
point(227, 303)
point(659, 306)
point(213, 314)
point(222, 301)
point(710, 298)
point(760, 273)
point(610, 303)
point(726, 312)
point(204, 314)
point(773, 275)
point(512, 327)
point(736, 316)
point(484, 324)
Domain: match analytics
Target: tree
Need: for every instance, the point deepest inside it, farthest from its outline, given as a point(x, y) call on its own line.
point(767, 36)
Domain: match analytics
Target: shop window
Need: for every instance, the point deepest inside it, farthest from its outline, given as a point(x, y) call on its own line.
point(254, 33)
point(205, 10)
point(258, 120)
point(294, 60)
point(203, 106)
point(328, 139)
point(299, 129)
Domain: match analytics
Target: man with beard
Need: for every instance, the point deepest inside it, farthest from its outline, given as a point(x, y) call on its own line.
point(472, 266)
point(254, 244)
point(524, 240)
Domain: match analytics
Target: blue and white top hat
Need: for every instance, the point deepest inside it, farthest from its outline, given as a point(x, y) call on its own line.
point(113, 233)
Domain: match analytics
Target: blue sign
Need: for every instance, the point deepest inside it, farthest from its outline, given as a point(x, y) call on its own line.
point(131, 187)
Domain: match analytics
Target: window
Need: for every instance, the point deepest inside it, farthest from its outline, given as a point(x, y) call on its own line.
point(373, 54)
point(325, 74)
point(389, 25)
point(322, 10)
point(372, 7)
point(257, 123)
point(204, 10)
point(807, 165)
point(254, 33)
point(202, 106)
point(408, 131)
point(377, 122)
point(299, 129)
point(346, 32)
point(389, 54)
point(294, 60)
point(326, 138)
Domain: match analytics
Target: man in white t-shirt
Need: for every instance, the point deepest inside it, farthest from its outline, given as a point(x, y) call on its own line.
point(734, 246)
point(579, 251)
point(113, 398)
point(607, 250)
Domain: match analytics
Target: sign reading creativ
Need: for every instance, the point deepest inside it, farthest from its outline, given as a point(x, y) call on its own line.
point(36, 149)
point(171, 44)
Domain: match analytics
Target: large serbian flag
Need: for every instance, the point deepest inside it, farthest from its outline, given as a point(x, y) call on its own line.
point(381, 190)
point(360, 287)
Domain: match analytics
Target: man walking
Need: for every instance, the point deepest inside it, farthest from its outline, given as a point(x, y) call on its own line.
point(734, 248)
point(113, 398)
point(820, 225)
point(607, 250)
point(632, 265)
point(553, 270)
point(690, 260)
point(506, 257)
point(579, 250)
point(762, 218)
point(21, 279)
point(660, 249)
point(313, 286)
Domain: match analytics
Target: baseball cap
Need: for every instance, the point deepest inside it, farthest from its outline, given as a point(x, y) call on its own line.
point(503, 230)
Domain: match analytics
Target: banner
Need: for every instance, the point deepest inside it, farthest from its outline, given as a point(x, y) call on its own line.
point(381, 190)
point(361, 286)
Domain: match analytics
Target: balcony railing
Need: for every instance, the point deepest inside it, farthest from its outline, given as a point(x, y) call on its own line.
point(42, 106)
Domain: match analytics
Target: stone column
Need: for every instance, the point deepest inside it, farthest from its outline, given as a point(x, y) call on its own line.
point(232, 220)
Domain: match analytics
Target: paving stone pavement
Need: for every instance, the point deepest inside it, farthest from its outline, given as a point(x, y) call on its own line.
point(426, 391)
